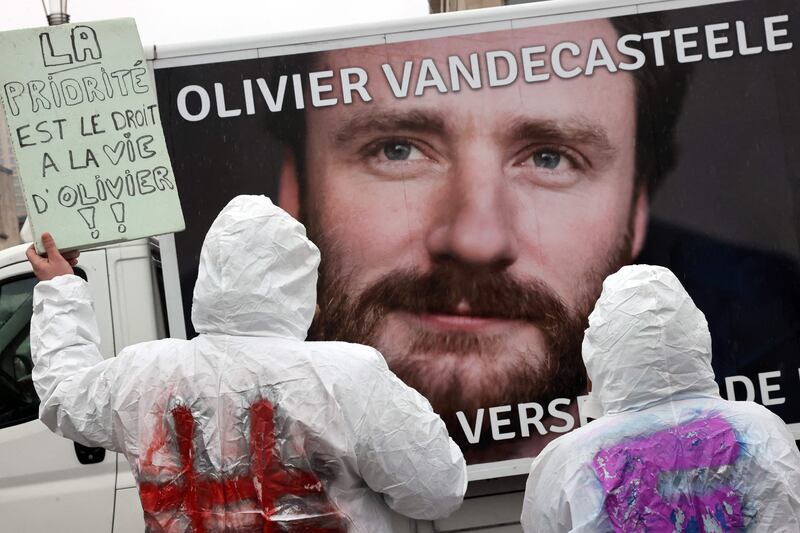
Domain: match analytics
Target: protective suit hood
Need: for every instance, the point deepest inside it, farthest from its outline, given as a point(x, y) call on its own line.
point(647, 342)
point(257, 274)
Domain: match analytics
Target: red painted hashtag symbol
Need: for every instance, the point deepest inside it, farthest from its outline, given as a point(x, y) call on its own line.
point(212, 502)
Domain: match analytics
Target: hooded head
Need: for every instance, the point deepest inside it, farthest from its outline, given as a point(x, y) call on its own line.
point(258, 273)
point(647, 342)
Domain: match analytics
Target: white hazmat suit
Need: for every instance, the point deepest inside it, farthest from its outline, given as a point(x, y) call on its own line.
point(247, 427)
point(668, 454)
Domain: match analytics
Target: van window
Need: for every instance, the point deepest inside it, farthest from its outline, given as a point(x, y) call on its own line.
point(18, 400)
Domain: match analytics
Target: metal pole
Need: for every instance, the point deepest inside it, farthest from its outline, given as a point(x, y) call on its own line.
point(57, 18)
point(57, 14)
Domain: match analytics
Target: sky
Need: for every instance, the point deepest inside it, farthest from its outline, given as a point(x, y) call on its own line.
point(180, 21)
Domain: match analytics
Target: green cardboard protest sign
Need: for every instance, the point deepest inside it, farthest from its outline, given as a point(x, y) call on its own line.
point(82, 113)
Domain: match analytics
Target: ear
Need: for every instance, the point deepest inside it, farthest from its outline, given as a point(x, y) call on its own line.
point(288, 188)
point(641, 215)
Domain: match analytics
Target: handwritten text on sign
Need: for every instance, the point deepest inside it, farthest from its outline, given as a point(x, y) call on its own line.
point(85, 127)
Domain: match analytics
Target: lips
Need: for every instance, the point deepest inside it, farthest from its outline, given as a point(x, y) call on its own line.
point(456, 323)
point(461, 319)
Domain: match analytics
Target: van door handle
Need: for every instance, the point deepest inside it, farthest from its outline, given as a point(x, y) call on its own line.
point(89, 456)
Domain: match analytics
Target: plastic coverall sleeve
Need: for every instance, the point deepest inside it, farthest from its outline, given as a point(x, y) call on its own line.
point(545, 509)
point(772, 472)
point(73, 381)
point(404, 451)
point(561, 494)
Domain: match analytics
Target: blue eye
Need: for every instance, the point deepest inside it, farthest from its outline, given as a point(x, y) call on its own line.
point(547, 159)
point(397, 151)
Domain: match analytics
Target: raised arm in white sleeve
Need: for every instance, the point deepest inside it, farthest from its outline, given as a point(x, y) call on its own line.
point(73, 381)
point(403, 449)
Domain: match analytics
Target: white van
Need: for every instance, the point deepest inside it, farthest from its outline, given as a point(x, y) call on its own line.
point(715, 227)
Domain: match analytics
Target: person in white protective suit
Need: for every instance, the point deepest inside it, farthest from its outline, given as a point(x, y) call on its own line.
point(246, 427)
point(668, 453)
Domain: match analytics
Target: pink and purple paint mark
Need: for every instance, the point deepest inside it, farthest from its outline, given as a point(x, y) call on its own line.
point(635, 472)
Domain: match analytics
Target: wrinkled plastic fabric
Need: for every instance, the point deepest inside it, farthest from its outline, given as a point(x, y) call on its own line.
point(247, 427)
point(668, 454)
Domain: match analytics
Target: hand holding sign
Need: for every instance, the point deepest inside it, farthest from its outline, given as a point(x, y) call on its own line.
point(53, 263)
point(87, 136)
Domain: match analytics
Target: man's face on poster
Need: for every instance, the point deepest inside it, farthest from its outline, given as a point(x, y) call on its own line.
point(466, 235)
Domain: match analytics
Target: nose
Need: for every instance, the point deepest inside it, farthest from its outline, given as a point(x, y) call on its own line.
point(474, 225)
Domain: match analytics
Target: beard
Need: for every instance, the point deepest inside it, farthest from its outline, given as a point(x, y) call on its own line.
point(465, 371)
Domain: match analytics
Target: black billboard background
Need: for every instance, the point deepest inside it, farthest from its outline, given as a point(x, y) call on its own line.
point(726, 220)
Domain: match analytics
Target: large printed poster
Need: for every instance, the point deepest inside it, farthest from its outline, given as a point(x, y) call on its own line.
point(469, 193)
